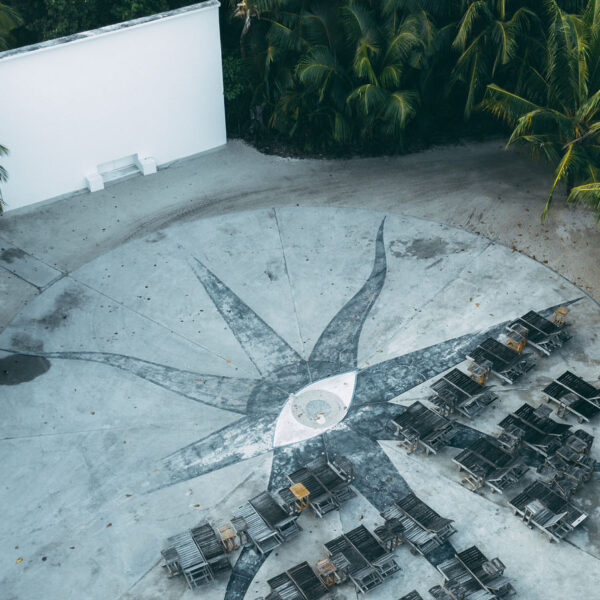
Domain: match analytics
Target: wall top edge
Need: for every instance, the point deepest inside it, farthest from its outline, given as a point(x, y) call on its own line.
point(84, 35)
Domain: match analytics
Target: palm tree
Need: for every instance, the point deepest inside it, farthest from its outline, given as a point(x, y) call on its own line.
point(555, 110)
point(381, 97)
point(9, 19)
point(352, 73)
point(487, 38)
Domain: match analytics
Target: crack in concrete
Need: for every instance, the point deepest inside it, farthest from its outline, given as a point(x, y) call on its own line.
point(287, 273)
point(150, 319)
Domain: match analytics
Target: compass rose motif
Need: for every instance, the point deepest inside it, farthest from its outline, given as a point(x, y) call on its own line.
point(300, 408)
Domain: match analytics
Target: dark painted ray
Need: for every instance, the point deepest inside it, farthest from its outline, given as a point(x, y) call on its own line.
point(337, 347)
point(375, 477)
point(371, 420)
point(246, 438)
point(268, 351)
point(290, 378)
point(287, 459)
point(390, 378)
point(214, 390)
point(245, 569)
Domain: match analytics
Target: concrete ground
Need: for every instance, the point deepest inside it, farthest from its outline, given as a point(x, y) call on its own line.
point(476, 187)
point(151, 335)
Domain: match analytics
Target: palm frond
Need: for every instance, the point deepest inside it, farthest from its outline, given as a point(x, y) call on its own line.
point(400, 46)
point(464, 60)
point(315, 69)
point(391, 75)
point(363, 61)
point(281, 35)
point(588, 194)
point(563, 54)
point(465, 27)
point(342, 130)
point(505, 44)
point(321, 26)
point(505, 105)
point(367, 98)
point(567, 169)
point(591, 14)
point(358, 21)
point(473, 85)
point(522, 19)
point(589, 108)
point(9, 18)
point(534, 122)
point(401, 107)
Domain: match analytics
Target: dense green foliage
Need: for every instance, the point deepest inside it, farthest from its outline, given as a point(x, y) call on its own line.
point(373, 75)
point(554, 104)
point(9, 20)
point(48, 19)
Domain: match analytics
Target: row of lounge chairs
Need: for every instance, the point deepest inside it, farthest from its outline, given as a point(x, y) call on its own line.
point(507, 360)
point(498, 464)
point(264, 522)
point(458, 393)
point(546, 502)
point(365, 559)
point(356, 557)
point(359, 557)
point(468, 575)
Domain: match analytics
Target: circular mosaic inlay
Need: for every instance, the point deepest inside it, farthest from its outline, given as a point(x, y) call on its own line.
point(318, 409)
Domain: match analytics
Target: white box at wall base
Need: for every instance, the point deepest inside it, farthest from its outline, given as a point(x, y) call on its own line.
point(151, 89)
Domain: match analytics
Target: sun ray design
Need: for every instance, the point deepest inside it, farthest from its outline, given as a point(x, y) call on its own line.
point(212, 390)
point(282, 371)
point(375, 477)
point(268, 351)
point(243, 439)
point(245, 569)
point(337, 347)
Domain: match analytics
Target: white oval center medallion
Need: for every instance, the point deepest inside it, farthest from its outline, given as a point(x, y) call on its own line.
point(314, 409)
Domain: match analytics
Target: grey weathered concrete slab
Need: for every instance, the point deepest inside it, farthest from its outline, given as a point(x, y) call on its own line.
point(14, 294)
point(478, 187)
point(27, 267)
point(89, 445)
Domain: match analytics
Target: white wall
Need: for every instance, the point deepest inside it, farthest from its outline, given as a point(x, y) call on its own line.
point(152, 86)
